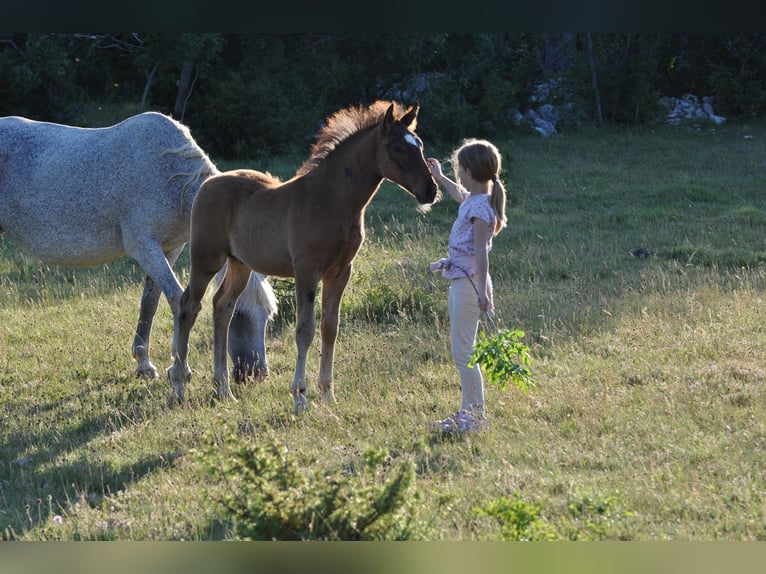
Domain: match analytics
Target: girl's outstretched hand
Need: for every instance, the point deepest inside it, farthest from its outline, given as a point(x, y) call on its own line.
point(436, 167)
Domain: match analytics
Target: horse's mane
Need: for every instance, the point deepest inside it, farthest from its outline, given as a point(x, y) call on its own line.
point(343, 124)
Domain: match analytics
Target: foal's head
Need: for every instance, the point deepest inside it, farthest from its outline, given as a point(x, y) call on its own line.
point(400, 156)
point(400, 152)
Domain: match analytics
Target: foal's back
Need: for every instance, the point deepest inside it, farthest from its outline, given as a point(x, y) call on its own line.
point(247, 214)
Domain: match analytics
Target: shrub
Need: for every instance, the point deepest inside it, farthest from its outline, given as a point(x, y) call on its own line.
point(519, 520)
point(268, 496)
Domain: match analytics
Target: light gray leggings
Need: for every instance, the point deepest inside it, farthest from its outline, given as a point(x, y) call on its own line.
point(464, 324)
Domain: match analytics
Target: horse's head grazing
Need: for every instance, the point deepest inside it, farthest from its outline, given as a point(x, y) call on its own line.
point(401, 155)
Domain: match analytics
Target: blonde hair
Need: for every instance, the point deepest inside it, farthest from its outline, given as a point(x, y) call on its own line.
point(484, 161)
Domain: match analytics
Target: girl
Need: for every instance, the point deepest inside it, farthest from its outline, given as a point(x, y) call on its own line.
point(480, 217)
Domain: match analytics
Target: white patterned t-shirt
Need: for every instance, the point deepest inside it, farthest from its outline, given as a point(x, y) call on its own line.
point(461, 238)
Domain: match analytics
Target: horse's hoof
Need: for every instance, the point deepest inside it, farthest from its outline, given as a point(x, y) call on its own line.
point(301, 404)
point(146, 370)
point(261, 374)
point(177, 375)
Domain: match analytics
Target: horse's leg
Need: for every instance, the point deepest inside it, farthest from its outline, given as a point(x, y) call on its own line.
point(179, 372)
point(305, 294)
point(332, 293)
point(149, 301)
point(234, 282)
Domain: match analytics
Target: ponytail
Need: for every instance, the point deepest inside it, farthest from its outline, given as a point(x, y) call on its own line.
point(497, 199)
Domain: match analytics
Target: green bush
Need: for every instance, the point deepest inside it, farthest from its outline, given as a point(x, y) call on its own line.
point(268, 495)
point(519, 520)
point(588, 518)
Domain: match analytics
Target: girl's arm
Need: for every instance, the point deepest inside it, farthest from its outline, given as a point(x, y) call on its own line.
point(480, 239)
point(452, 188)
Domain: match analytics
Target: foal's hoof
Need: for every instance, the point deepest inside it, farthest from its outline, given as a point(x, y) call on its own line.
point(177, 384)
point(175, 396)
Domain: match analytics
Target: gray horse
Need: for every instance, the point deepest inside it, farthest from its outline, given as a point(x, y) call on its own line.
point(77, 197)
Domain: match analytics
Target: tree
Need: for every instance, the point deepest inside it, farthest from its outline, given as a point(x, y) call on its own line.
point(252, 95)
point(38, 79)
point(184, 54)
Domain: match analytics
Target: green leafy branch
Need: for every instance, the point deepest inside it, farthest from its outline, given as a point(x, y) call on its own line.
point(504, 359)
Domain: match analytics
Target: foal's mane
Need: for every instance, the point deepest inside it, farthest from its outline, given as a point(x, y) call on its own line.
point(342, 125)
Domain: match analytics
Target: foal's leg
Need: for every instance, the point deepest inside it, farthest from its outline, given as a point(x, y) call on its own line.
point(305, 294)
point(234, 282)
point(189, 307)
point(149, 301)
point(332, 293)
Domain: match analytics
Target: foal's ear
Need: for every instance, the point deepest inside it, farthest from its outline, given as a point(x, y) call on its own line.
point(410, 119)
point(388, 119)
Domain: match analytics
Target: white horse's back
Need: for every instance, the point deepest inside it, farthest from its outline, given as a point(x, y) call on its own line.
point(74, 196)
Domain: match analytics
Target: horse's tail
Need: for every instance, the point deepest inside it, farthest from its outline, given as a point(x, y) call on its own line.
point(258, 294)
point(263, 295)
point(191, 151)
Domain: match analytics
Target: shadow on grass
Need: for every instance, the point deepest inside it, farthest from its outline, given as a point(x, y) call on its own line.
point(47, 464)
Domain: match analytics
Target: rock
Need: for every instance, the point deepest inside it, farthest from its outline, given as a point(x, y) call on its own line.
point(690, 108)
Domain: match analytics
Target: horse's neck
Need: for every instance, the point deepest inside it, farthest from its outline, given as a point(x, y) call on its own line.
point(352, 170)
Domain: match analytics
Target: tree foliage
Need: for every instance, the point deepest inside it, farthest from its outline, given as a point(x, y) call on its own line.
point(248, 96)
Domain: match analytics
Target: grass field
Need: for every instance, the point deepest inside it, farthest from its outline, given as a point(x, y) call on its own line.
point(647, 423)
